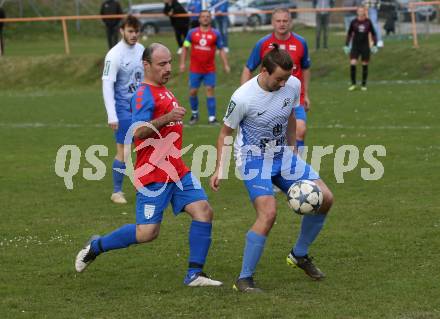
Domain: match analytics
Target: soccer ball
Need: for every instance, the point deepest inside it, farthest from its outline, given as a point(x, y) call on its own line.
point(304, 197)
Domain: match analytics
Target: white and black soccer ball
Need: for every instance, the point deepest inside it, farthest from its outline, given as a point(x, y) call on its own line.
point(304, 197)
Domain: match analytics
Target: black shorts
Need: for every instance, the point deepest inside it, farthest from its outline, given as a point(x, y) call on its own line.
point(363, 52)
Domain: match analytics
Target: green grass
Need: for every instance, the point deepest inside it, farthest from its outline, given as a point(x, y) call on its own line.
point(379, 247)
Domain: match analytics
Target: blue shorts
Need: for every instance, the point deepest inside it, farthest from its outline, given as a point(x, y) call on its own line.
point(149, 209)
point(300, 113)
point(122, 130)
point(195, 79)
point(281, 172)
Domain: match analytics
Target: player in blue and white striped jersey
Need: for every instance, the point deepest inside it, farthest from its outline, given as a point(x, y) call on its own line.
point(262, 110)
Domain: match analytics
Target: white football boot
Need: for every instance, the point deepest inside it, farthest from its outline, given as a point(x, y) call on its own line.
point(85, 256)
point(118, 198)
point(201, 280)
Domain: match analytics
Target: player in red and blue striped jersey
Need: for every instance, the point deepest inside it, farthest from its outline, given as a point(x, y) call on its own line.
point(297, 48)
point(203, 42)
point(161, 176)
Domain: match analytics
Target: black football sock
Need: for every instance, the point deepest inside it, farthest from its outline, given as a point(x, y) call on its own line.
point(353, 74)
point(364, 74)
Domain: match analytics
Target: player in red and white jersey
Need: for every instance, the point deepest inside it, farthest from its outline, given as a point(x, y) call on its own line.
point(161, 177)
point(203, 42)
point(297, 48)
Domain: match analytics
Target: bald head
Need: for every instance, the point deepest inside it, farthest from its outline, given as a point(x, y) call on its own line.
point(151, 49)
point(157, 64)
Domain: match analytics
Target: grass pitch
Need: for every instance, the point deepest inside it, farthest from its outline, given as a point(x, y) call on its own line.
point(379, 247)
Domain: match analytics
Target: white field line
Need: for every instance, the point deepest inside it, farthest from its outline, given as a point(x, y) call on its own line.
point(319, 127)
point(49, 93)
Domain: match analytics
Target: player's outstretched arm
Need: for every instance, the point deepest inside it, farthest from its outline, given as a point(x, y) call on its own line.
point(175, 115)
point(225, 133)
point(246, 75)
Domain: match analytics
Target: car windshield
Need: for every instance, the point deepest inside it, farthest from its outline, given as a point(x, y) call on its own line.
point(242, 3)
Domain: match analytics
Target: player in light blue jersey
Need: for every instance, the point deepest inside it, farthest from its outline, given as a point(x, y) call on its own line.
point(123, 72)
point(262, 110)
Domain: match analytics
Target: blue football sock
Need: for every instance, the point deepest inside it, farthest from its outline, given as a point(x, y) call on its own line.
point(194, 102)
point(199, 242)
point(210, 103)
point(120, 238)
point(299, 144)
point(118, 177)
point(310, 227)
point(252, 252)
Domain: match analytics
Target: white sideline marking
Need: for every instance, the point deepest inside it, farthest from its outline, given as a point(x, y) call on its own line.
point(319, 127)
point(380, 82)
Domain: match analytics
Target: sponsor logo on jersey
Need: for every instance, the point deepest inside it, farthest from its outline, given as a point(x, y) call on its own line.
point(286, 102)
point(277, 130)
point(292, 47)
point(174, 123)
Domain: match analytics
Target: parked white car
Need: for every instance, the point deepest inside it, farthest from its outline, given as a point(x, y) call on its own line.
point(153, 25)
point(247, 15)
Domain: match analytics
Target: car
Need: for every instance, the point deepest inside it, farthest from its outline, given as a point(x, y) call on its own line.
point(153, 25)
point(247, 15)
point(251, 9)
point(422, 12)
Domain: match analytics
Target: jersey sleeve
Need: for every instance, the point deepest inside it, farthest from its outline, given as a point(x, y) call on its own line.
point(255, 58)
point(219, 41)
point(373, 32)
point(295, 84)
point(235, 112)
point(187, 42)
point(305, 60)
point(142, 106)
point(111, 67)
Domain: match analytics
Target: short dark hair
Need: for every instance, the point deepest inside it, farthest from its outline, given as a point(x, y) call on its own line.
point(130, 21)
point(277, 57)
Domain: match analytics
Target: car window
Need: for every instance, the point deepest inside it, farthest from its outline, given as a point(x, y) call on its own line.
point(277, 2)
point(252, 4)
point(157, 10)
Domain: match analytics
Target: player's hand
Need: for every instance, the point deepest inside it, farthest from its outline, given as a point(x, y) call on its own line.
point(182, 68)
point(114, 126)
point(176, 114)
point(214, 182)
point(227, 69)
point(346, 49)
point(374, 49)
point(307, 103)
